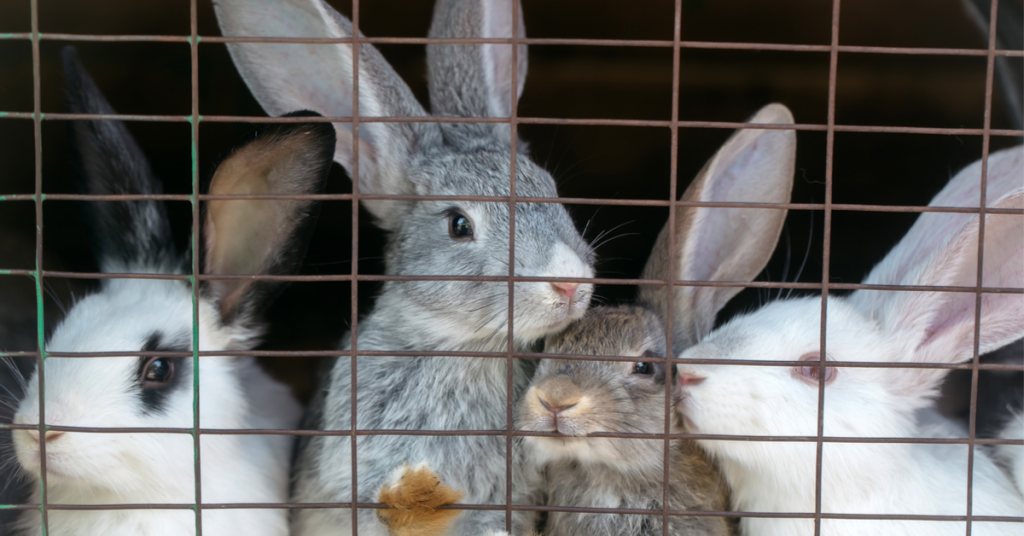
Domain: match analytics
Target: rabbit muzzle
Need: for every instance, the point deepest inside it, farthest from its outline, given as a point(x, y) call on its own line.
point(557, 405)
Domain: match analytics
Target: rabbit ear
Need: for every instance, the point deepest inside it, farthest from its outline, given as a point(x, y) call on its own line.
point(269, 236)
point(933, 228)
point(938, 327)
point(725, 244)
point(475, 80)
point(129, 234)
point(319, 77)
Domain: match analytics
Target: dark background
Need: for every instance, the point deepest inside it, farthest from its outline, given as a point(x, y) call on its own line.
point(563, 81)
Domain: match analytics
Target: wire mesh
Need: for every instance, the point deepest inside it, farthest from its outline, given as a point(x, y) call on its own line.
point(674, 124)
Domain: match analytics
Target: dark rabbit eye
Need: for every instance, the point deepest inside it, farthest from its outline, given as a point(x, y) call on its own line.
point(158, 371)
point(460, 227)
point(643, 368)
point(811, 373)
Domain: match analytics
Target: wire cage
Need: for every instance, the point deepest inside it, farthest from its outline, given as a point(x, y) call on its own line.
point(635, 96)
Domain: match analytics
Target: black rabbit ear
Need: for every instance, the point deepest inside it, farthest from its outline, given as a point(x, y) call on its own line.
point(130, 235)
point(264, 236)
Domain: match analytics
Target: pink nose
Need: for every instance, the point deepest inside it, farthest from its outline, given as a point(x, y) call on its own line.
point(686, 378)
point(555, 410)
point(566, 289)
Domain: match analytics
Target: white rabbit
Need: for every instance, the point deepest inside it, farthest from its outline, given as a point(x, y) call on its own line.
point(148, 315)
point(427, 237)
point(863, 402)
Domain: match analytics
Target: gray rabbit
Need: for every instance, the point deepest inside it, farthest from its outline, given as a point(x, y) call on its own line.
point(428, 237)
point(578, 398)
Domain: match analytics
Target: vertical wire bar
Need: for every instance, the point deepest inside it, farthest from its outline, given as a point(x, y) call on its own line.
point(513, 129)
point(985, 138)
point(354, 312)
point(37, 129)
point(671, 272)
point(196, 243)
point(825, 258)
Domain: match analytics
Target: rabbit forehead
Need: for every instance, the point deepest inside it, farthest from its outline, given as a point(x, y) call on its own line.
point(610, 331)
point(786, 330)
point(480, 172)
point(123, 315)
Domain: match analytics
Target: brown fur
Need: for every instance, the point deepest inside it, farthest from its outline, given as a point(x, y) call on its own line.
point(413, 502)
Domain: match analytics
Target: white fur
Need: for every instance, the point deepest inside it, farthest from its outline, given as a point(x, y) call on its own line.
point(89, 468)
point(1012, 456)
point(862, 402)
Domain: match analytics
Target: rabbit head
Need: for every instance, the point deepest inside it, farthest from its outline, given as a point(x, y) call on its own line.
point(576, 398)
point(142, 316)
point(901, 327)
point(433, 236)
point(579, 397)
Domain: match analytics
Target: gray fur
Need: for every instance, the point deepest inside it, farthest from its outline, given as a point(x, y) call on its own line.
point(474, 97)
point(423, 393)
point(628, 473)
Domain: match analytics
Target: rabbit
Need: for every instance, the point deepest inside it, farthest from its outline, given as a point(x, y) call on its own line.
point(426, 237)
point(576, 398)
point(151, 315)
point(863, 402)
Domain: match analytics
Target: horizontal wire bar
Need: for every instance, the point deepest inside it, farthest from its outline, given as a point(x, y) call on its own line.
point(518, 507)
point(643, 43)
point(522, 433)
point(521, 355)
point(518, 199)
point(529, 279)
point(518, 120)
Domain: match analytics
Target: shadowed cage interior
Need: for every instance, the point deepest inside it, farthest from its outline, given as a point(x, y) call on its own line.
point(623, 105)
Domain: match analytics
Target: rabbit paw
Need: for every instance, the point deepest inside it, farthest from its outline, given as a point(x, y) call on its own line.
point(413, 496)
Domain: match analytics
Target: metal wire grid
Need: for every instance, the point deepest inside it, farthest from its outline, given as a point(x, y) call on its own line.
point(830, 128)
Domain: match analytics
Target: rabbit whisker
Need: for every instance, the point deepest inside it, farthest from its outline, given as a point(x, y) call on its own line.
point(807, 253)
point(48, 288)
point(605, 241)
point(785, 266)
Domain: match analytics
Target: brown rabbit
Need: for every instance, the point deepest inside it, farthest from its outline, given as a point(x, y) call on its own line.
point(577, 398)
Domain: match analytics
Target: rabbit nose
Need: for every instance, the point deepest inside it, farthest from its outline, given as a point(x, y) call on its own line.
point(557, 409)
point(566, 289)
point(689, 378)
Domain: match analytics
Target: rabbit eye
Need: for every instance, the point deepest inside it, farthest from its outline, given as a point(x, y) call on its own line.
point(811, 373)
point(158, 371)
point(460, 227)
point(642, 368)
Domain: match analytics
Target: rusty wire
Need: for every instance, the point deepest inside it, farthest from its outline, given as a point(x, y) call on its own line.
point(673, 124)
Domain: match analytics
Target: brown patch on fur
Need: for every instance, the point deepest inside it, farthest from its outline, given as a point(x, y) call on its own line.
point(413, 502)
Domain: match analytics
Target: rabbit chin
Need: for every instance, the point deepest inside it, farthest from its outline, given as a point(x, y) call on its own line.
point(600, 450)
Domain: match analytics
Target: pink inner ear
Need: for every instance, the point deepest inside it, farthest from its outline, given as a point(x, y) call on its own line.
point(948, 318)
point(721, 229)
point(497, 59)
point(932, 229)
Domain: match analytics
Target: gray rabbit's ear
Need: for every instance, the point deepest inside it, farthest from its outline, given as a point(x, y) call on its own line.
point(129, 235)
point(319, 77)
point(725, 244)
point(263, 236)
point(475, 80)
